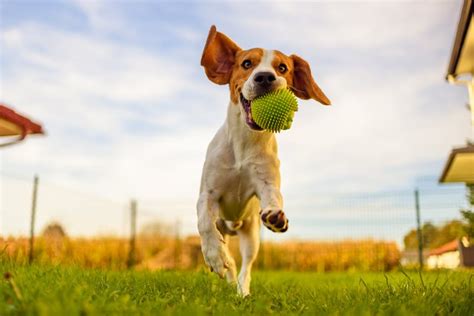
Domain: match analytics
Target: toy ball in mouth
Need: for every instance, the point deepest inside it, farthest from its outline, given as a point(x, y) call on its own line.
point(274, 110)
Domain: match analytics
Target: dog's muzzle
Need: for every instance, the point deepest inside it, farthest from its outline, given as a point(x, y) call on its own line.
point(247, 105)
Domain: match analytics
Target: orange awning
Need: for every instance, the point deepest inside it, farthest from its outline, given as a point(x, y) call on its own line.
point(13, 124)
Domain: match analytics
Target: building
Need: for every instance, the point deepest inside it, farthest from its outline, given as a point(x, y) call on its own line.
point(454, 254)
point(460, 164)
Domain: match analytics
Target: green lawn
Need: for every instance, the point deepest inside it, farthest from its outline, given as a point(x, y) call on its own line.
point(75, 291)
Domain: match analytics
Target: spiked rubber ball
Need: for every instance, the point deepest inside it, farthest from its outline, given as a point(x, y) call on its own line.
point(274, 110)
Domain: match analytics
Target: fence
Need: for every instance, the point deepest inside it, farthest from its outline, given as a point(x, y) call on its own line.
point(330, 231)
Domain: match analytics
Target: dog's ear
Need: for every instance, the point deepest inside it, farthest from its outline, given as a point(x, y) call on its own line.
point(304, 86)
point(218, 56)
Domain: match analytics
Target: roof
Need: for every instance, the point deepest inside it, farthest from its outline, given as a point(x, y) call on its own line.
point(460, 165)
point(450, 246)
point(15, 124)
point(462, 56)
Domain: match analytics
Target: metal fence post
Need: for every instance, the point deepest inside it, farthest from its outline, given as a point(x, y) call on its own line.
point(419, 232)
point(133, 231)
point(177, 245)
point(33, 218)
point(262, 249)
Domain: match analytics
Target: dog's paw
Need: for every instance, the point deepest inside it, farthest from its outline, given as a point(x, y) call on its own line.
point(216, 255)
point(243, 290)
point(275, 220)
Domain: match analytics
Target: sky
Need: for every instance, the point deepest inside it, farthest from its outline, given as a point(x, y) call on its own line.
point(129, 112)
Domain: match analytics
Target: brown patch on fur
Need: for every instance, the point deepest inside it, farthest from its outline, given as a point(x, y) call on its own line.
point(280, 58)
point(222, 60)
point(304, 85)
point(218, 56)
point(299, 78)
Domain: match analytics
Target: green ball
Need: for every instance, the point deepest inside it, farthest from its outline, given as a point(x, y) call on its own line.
point(274, 110)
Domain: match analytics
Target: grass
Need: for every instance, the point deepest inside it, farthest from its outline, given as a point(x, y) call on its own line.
point(49, 290)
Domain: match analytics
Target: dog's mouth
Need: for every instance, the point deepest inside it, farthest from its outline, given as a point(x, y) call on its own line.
point(247, 105)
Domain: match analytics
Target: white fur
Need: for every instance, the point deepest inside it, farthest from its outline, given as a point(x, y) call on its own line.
point(265, 65)
point(240, 177)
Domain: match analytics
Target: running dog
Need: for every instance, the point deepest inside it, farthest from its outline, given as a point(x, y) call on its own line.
point(240, 183)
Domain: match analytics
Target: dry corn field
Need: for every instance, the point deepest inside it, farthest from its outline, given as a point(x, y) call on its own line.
point(173, 253)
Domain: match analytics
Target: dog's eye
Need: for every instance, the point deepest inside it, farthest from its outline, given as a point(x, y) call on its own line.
point(282, 68)
point(247, 64)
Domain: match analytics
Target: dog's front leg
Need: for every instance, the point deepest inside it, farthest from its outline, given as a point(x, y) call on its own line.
point(271, 203)
point(213, 245)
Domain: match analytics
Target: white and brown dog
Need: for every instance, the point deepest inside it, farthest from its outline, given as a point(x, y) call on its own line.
point(241, 179)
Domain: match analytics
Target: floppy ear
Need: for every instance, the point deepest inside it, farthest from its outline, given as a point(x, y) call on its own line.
point(218, 56)
point(304, 86)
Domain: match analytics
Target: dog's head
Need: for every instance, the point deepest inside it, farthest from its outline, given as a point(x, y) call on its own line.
point(253, 72)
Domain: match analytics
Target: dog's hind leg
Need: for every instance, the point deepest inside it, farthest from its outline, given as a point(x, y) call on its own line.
point(249, 235)
point(223, 227)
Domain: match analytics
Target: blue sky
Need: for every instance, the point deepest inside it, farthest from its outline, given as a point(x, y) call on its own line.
point(129, 111)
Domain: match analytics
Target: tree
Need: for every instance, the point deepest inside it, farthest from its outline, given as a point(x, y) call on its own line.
point(54, 230)
point(468, 217)
point(451, 230)
point(410, 240)
point(434, 236)
point(429, 232)
point(470, 194)
point(468, 214)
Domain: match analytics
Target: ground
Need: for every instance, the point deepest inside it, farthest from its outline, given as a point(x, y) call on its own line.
point(48, 290)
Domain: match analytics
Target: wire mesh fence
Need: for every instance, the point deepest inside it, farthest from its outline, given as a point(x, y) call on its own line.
point(329, 231)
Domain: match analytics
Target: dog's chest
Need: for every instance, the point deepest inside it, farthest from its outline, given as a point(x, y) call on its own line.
point(238, 191)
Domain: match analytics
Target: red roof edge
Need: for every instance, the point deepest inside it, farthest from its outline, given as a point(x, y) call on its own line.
point(450, 246)
point(27, 126)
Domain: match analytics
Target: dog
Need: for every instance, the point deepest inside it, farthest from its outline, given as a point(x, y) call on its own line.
point(240, 184)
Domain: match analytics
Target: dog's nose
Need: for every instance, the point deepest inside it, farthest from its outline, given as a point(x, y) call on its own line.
point(264, 79)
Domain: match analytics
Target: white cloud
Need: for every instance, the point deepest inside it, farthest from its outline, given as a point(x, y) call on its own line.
point(303, 26)
point(91, 67)
point(101, 15)
point(128, 121)
point(387, 125)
